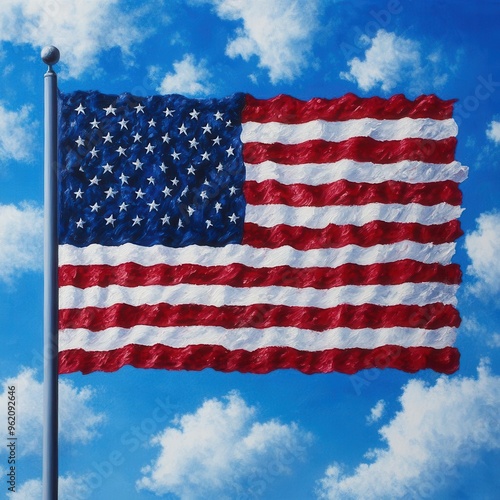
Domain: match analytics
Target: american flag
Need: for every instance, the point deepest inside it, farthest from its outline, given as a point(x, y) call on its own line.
point(250, 235)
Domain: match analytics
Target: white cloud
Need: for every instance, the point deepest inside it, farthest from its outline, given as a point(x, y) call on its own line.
point(376, 412)
point(218, 448)
point(278, 33)
point(21, 240)
point(390, 60)
point(78, 422)
point(189, 78)
point(70, 488)
point(438, 429)
point(483, 247)
point(81, 30)
point(493, 131)
point(16, 134)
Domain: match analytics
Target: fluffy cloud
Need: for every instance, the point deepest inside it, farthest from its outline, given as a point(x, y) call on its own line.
point(189, 78)
point(483, 247)
point(493, 131)
point(390, 60)
point(70, 487)
point(220, 447)
point(81, 30)
point(78, 421)
point(278, 33)
point(16, 133)
point(376, 412)
point(21, 240)
point(438, 429)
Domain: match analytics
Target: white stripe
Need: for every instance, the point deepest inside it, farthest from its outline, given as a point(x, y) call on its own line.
point(380, 130)
point(251, 339)
point(255, 257)
point(316, 174)
point(219, 295)
point(321, 217)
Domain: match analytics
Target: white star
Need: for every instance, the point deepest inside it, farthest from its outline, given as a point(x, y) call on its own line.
point(166, 138)
point(123, 123)
point(123, 206)
point(124, 178)
point(203, 195)
point(108, 168)
point(193, 143)
point(108, 138)
point(207, 129)
point(152, 123)
point(80, 223)
point(218, 206)
point(180, 224)
point(230, 151)
point(219, 167)
point(149, 148)
point(182, 129)
point(208, 222)
point(121, 151)
point(232, 190)
point(95, 123)
point(110, 193)
point(233, 218)
point(153, 206)
point(216, 140)
point(110, 220)
point(167, 191)
point(218, 115)
point(78, 194)
point(80, 141)
point(137, 137)
point(139, 194)
point(139, 108)
point(169, 112)
point(137, 220)
point(191, 170)
point(95, 181)
point(206, 182)
point(175, 155)
point(194, 114)
point(151, 180)
point(185, 191)
point(138, 164)
point(110, 110)
point(205, 155)
point(95, 207)
point(165, 220)
point(175, 181)
point(94, 152)
point(190, 210)
point(80, 109)
point(163, 167)
point(229, 123)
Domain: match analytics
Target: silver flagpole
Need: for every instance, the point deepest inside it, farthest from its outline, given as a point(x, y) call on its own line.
point(50, 56)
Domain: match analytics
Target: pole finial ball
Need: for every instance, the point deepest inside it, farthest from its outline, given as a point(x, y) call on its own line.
point(50, 55)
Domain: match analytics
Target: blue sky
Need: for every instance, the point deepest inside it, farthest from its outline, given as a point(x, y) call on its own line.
point(149, 434)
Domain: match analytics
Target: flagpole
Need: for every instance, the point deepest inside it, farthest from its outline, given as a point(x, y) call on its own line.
point(50, 56)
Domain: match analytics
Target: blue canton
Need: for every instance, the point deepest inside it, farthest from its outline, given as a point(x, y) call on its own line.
point(155, 170)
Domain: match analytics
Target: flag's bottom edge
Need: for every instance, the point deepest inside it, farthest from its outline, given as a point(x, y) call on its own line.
point(264, 360)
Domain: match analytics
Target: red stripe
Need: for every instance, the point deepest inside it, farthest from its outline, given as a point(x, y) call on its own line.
point(351, 193)
point(238, 275)
point(430, 316)
point(286, 109)
point(333, 236)
point(362, 149)
point(199, 357)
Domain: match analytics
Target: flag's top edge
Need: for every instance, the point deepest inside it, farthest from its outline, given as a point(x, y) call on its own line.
point(286, 109)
